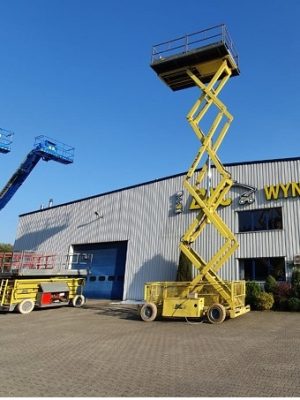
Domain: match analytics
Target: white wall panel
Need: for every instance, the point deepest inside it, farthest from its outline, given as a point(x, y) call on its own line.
point(144, 216)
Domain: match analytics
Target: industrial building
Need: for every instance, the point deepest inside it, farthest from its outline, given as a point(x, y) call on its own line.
point(133, 233)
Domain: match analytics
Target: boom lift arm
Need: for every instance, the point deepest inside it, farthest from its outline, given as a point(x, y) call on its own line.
point(45, 149)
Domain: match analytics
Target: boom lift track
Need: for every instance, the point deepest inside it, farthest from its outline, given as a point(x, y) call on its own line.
point(44, 148)
point(206, 59)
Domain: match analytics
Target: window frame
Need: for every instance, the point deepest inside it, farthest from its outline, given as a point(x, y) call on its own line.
point(252, 220)
point(254, 267)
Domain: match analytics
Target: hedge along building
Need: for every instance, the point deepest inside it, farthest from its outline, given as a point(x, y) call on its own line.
point(134, 233)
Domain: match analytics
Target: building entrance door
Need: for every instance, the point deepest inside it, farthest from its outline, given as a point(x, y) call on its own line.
point(106, 270)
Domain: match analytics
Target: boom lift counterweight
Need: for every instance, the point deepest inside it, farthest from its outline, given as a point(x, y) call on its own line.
point(206, 59)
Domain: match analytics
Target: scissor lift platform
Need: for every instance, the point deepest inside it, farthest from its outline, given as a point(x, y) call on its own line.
point(36, 273)
point(199, 52)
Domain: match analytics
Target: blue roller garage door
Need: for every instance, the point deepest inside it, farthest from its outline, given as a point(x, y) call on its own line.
point(106, 271)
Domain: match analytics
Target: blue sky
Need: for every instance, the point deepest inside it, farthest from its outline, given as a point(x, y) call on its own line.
point(78, 71)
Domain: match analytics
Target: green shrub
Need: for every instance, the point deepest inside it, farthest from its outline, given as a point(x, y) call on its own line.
point(296, 282)
point(271, 284)
point(253, 289)
point(281, 303)
point(282, 295)
point(264, 301)
point(293, 304)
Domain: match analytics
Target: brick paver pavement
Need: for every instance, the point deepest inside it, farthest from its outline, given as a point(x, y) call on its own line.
point(105, 350)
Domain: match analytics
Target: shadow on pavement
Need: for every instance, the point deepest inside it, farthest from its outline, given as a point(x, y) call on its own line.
point(121, 311)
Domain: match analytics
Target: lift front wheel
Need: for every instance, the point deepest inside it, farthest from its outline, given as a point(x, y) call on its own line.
point(26, 306)
point(148, 312)
point(216, 314)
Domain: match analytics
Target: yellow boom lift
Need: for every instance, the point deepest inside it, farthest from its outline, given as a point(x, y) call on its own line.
point(205, 59)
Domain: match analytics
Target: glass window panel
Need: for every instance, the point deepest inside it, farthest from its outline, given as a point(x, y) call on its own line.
point(248, 267)
point(244, 222)
point(275, 221)
point(278, 268)
point(260, 220)
point(242, 269)
point(262, 267)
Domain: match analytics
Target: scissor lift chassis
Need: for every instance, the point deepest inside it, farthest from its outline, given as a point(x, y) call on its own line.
point(41, 289)
point(170, 301)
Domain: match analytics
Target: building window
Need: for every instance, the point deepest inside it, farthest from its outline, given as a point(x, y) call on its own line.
point(260, 220)
point(257, 269)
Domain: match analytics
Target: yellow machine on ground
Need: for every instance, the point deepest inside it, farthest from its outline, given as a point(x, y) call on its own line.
point(205, 59)
point(29, 281)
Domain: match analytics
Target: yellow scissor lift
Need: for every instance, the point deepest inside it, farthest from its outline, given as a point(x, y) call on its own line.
point(206, 59)
point(29, 281)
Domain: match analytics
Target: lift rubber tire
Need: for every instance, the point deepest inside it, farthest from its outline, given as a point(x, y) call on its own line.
point(26, 306)
point(216, 314)
point(148, 312)
point(78, 300)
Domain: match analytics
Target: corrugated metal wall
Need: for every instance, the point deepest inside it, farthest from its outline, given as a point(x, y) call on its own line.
point(144, 216)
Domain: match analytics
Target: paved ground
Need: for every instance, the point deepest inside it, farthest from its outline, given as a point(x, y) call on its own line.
point(105, 350)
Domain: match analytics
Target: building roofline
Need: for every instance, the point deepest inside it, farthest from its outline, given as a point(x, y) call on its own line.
point(159, 180)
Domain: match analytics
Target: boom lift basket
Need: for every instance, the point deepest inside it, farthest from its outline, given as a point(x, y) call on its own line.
point(5, 140)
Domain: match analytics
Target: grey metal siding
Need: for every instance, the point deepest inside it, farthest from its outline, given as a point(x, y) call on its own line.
point(144, 216)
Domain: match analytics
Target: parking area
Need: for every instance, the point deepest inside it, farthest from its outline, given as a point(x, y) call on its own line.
point(105, 350)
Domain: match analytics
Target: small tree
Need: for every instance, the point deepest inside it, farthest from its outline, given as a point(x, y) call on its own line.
point(283, 293)
point(253, 290)
point(5, 248)
point(271, 285)
point(185, 269)
point(295, 281)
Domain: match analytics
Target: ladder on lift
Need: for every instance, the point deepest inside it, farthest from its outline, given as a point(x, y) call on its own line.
point(3, 288)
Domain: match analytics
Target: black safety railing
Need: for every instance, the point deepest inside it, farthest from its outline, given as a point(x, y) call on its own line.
point(187, 43)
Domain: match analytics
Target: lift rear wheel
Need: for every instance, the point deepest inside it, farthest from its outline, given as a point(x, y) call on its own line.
point(78, 300)
point(26, 306)
point(148, 312)
point(216, 314)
